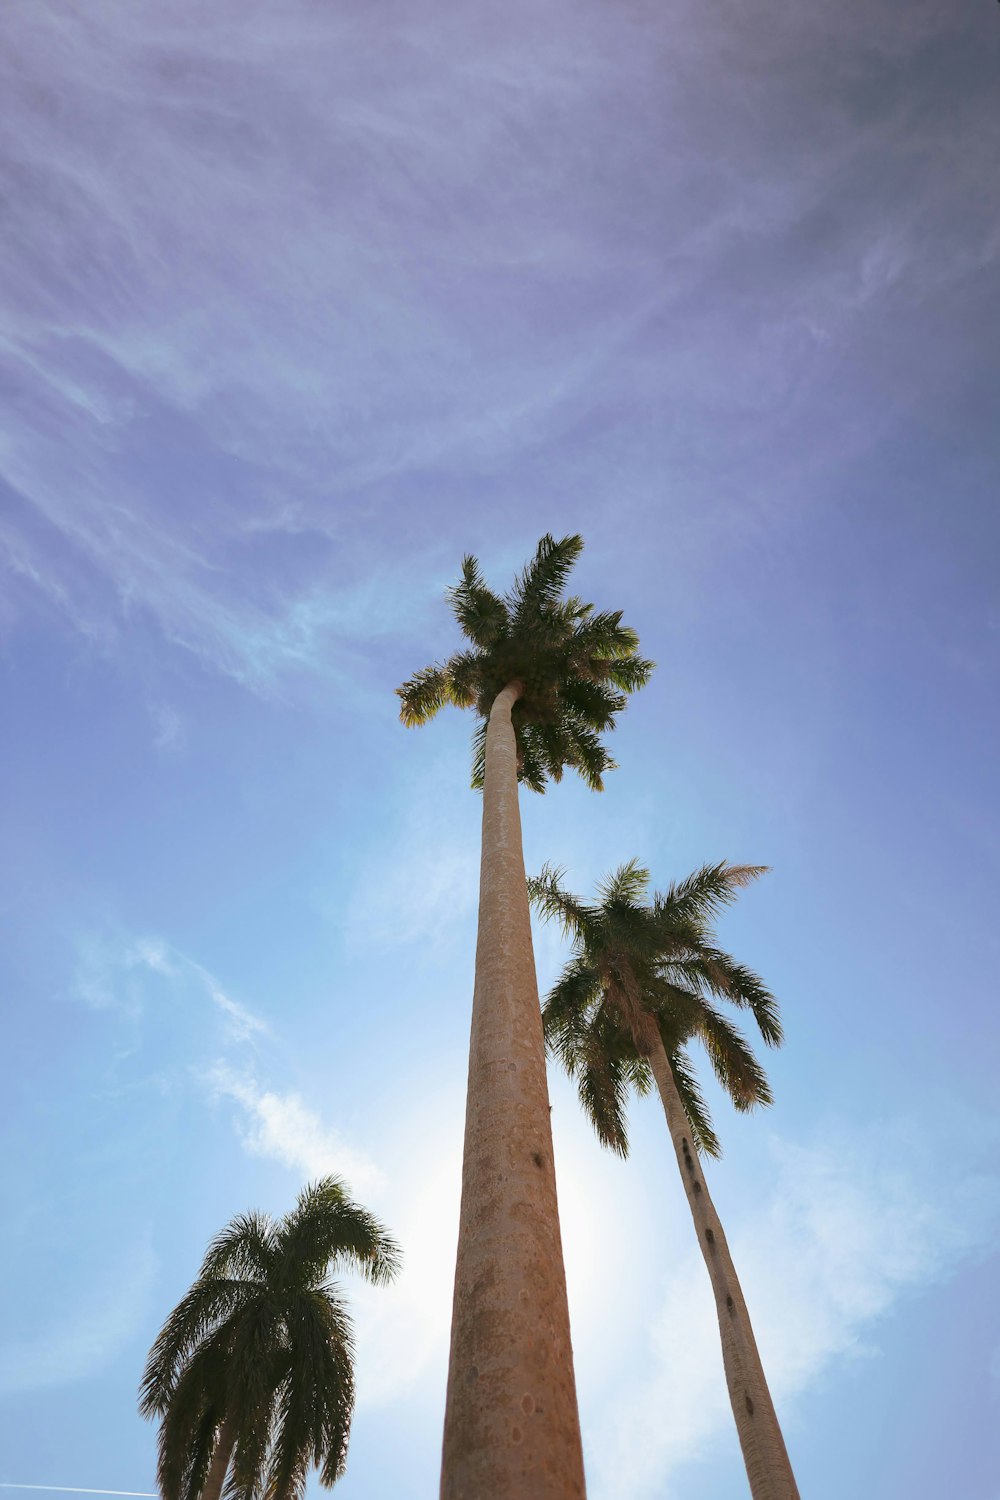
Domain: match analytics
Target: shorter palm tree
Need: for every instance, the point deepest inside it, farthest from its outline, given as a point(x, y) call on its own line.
point(252, 1374)
point(637, 990)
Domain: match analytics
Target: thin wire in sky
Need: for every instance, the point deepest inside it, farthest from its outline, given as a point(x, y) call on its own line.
point(75, 1489)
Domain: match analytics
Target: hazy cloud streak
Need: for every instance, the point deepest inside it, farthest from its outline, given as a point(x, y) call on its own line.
point(844, 1235)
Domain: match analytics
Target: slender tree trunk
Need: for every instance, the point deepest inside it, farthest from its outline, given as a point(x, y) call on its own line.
point(218, 1468)
point(511, 1427)
point(768, 1468)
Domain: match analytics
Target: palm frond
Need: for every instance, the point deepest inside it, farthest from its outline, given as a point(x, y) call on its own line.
point(187, 1481)
point(244, 1250)
point(334, 1381)
point(315, 1403)
point(639, 1074)
point(327, 1226)
point(464, 671)
point(423, 695)
point(733, 1061)
point(481, 614)
point(567, 1013)
point(255, 1337)
point(539, 585)
point(677, 1006)
point(531, 759)
point(549, 898)
point(593, 703)
point(602, 638)
point(628, 884)
point(572, 610)
point(210, 1301)
point(192, 1419)
point(588, 756)
point(244, 1481)
point(602, 1080)
point(700, 896)
point(555, 748)
point(479, 755)
point(629, 673)
point(702, 1131)
point(740, 985)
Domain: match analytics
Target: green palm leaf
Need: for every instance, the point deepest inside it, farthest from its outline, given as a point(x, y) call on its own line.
point(547, 895)
point(702, 1131)
point(483, 615)
point(424, 694)
point(539, 585)
point(602, 1080)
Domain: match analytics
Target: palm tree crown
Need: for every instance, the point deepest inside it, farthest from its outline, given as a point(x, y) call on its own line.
point(637, 969)
point(574, 668)
point(259, 1353)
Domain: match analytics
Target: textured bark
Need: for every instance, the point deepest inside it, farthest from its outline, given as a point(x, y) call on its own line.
point(219, 1466)
point(767, 1464)
point(511, 1428)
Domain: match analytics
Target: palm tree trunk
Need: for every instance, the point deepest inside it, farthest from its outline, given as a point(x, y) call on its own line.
point(217, 1469)
point(511, 1427)
point(768, 1468)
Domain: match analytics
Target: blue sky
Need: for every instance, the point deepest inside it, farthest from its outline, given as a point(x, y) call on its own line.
point(298, 303)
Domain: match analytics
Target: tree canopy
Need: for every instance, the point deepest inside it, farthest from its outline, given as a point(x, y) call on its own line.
point(574, 666)
point(263, 1343)
point(642, 969)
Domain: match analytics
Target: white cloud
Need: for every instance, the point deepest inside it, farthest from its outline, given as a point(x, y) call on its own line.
point(78, 1342)
point(108, 972)
point(169, 729)
point(283, 1128)
point(851, 1226)
point(423, 885)
point(421, 893)
point(241, 1022)
point(113, 974)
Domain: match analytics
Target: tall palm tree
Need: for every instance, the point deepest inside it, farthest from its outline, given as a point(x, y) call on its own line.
point(636, 991)
point(546, 676)
point(252, 1373)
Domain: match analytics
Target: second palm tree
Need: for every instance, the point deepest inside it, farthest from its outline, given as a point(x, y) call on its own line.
point(636, 991)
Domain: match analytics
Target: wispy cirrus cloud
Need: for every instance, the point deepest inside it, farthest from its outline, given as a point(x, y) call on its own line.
point(421, 885)
point(853, 1225)
point(113, 973)
point(466, 249)
point(169, 729)
point(282, 1127)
